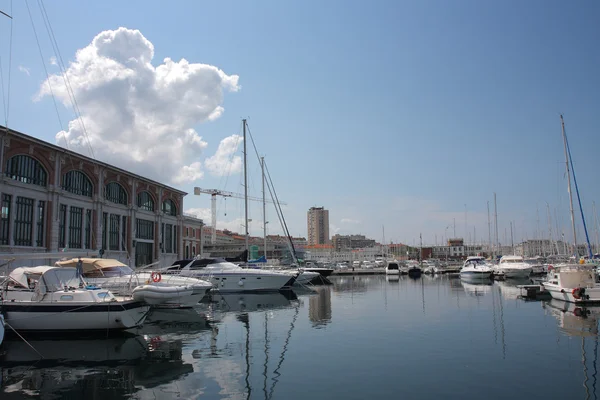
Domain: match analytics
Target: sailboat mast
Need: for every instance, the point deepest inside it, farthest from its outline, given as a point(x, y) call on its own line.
point(262, 168)
point(496, 224)
point(562, 123)
point(245, 186)
point(489, 227)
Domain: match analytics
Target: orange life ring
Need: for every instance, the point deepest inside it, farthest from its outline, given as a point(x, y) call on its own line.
point(576, 293)
point(156, 276)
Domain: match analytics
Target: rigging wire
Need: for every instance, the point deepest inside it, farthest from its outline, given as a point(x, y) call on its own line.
point(6, 103)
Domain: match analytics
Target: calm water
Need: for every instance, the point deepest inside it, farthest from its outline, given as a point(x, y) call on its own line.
point(363, 337)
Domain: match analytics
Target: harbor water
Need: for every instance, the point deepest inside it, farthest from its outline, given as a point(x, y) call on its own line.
point(364, 337)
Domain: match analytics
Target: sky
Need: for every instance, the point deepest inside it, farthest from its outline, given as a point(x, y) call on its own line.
point(401, 118)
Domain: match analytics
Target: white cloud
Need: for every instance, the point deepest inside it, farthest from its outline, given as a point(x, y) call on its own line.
point(53, 61)
point(137, 116)
point(224, 162)
point(25, 70)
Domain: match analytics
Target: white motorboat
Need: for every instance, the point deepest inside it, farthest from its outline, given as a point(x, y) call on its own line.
point(513, 267)
point(476, 268)
point(228, 277)
point(574, 283)
point(150, 287)
point(306, 277)
point(392, 268)
point(537, 265)
point(57, 299)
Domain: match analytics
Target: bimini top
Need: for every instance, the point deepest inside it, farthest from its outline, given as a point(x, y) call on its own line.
point(97, 267)
point(49, 279)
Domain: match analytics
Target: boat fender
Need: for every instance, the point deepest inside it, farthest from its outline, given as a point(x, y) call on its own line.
point(241, 283)
point(576, 293)
point(156, 276)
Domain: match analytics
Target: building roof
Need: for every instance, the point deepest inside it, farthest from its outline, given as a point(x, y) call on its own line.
point(89, 159)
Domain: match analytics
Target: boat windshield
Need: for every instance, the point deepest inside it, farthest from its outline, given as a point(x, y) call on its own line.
point(58, 278)
point(476, 261)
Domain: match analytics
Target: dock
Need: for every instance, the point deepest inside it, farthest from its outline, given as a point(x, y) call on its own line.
point(534, 292)
point(381, 271)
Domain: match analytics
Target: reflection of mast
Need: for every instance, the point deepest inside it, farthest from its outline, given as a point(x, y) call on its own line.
point(244, 319)
point(584, 362)
point(423, 294)
point(266, 356)
point(502, 324)
point(595, 374)
point(276, 373)
point(494, 316)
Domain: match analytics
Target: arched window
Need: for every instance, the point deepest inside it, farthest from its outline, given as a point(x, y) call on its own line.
point(169, 207)
point(26, 169)
point(77, 182)
point(115, 193)
point(145, 201)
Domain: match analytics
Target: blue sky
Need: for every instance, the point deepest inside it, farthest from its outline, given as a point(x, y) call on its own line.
point(393, 114)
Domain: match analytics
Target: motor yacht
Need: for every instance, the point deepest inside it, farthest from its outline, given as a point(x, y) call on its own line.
point(476, 268)
point(150, 287)
point(50, 298)
point(392, 268)
point(513, 267)
point(228, 277)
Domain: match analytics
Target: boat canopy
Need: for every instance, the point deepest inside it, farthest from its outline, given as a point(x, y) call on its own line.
point(50, 279)
point(97, 267)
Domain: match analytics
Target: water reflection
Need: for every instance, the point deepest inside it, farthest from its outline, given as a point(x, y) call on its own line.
point(319, 307)
point(480, 288)
point(509, 288)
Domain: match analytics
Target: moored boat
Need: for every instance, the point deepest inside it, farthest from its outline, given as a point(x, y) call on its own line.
point(392, 268)
point(475, 268)
point(513, 267)
point(56, 299)
point(574, 283)
point(151, 287)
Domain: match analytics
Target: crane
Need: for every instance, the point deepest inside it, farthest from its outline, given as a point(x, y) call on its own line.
point(213, 205)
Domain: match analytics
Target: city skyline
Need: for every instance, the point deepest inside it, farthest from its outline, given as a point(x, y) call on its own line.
point(403, 117)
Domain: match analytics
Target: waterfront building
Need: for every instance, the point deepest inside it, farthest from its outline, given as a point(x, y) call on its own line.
point(345, 242)
point(318, 226)
point(54, 200)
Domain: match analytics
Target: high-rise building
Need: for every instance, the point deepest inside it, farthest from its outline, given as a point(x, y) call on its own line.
point(318, 226)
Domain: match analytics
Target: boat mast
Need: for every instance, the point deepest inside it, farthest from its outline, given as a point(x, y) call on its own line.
point(489, 228)
point(562, 123)
point(497, 245)
point(262, 168)
point(245, 187)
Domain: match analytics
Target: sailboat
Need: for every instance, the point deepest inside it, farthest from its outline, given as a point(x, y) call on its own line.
point(575, 283)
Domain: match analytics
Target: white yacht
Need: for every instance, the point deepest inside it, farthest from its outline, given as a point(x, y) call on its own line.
point(537, 265)
point(56, 299)
point(575, 283)
point(150, 287)
point(513, 267)
point(228, 277)
point(476, 268)
point(392, 268)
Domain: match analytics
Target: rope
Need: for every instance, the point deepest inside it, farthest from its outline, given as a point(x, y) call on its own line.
point(23, 339)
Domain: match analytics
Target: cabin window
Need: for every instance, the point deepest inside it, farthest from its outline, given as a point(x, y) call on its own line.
point(115, 193)
point(5, 218)
point(75, 227)
point(145, 201)
point(26, 169)
point(77, 182)
point(24, 222)
point(169, 208)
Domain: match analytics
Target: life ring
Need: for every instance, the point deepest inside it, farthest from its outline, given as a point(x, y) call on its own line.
point(156, 276)
point(576, 293)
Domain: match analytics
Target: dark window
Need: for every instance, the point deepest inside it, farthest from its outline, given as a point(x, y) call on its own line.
point(174, 238)
point(41, 210)
point(145, 201)
point(62, 221)
point(104, 229)
point(75, 227)
point(114, 233)
point(169, 207)
point(78, 183)
point(144, 229)
point(162, 235)
point(24, 222)
point(5, 219)
point(115, 193)
point(88, 229)
point(124, 234)
point(168, 238)
point(27, 170)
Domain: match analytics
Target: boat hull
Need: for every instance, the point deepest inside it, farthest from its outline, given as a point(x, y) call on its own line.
point(1, 328)
point(392, 272)
point(59, 317)
point(515, 272)
point(592, 295)
point(168, 295)
point(238, 282)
